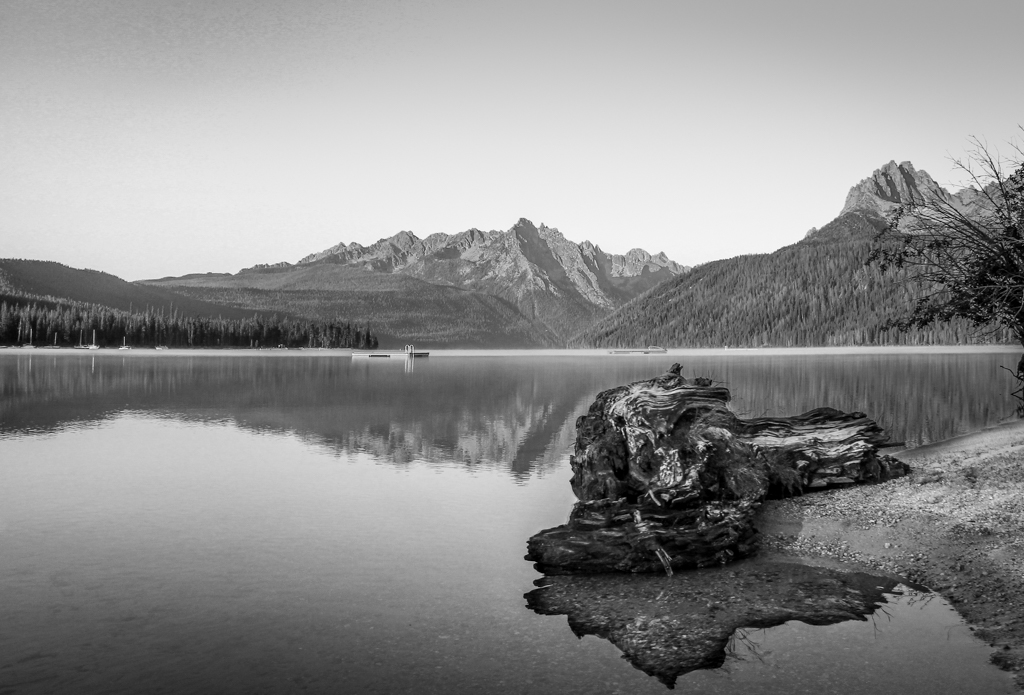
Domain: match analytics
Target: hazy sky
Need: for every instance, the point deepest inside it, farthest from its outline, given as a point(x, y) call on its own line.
point(151, 138)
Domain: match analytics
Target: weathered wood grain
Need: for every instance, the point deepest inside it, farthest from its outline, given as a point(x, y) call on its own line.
point(669, 478)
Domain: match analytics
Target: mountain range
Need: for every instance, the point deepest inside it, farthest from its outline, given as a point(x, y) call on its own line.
point(528, 286)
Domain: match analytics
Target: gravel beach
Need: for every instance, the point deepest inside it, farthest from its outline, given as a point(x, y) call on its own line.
point(955, 525)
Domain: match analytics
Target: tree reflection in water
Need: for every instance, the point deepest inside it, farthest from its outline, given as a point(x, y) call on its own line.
point(514, 412)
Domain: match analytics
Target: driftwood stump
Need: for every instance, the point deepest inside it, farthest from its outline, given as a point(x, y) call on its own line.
point(669, 478)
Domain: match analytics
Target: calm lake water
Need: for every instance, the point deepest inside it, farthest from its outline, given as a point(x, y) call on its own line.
point(267, 523)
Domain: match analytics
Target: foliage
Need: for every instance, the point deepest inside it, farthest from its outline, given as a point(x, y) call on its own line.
point(68, 323)
point(968, 259)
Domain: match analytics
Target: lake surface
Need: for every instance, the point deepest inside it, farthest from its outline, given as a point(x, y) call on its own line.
point(266, 523)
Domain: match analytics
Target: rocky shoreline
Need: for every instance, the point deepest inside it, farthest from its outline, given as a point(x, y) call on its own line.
point(955, 525)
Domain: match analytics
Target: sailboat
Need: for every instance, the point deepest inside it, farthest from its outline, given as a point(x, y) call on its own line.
point(93, 346)
point(29, 345)
point(81, 345)
point(125, 345)
point(54, 346)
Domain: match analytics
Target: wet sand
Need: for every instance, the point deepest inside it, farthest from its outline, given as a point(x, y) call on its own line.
point(955, 525)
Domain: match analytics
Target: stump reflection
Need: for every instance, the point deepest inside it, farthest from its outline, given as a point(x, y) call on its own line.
point(669, 626)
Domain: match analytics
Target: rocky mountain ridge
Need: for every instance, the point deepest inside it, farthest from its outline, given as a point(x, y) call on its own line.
point(895, 184)
point(405, 248)
point(559, 283)
point(870, 201)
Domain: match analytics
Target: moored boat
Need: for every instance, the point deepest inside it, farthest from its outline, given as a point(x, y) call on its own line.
point(409, 352)
point(649, 350)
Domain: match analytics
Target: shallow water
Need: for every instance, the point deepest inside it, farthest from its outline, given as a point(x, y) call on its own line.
point(914, 631)
point(273, 523)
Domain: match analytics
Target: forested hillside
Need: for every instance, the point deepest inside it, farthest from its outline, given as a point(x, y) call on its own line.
point(813, 293)
point(398, 308)
point(41, 280)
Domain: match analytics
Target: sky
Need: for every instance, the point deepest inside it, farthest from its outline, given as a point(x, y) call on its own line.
point(148, 138)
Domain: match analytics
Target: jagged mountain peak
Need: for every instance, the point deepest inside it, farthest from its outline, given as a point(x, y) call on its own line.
point(525, 228)
point(892, 185)
point(405, 238)
point(338, 248)
point(550, 231)
point(638, 254)
point(895, 184)
point(551, 279)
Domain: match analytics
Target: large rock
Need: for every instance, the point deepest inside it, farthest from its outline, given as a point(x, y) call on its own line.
point(669, 478)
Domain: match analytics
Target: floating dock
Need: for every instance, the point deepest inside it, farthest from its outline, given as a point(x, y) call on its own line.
point(649, 350)
point(409, 352)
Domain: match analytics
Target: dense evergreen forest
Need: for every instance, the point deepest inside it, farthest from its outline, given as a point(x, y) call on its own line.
point(817, 292)
point(401, 309)
point(55, 322)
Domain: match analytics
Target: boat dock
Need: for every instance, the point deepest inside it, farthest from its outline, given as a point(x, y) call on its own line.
point(409, 352)
point(649, 350)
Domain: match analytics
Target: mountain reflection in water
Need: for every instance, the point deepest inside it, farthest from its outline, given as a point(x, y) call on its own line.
point(261, 522)
point(511, 411)
point(669, 626)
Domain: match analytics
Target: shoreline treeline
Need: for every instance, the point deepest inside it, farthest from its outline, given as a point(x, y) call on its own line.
point(71, 323)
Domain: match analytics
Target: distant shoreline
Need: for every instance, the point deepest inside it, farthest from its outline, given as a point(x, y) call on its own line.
point(546, 352)
point(150, 351)
point(716, 352)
